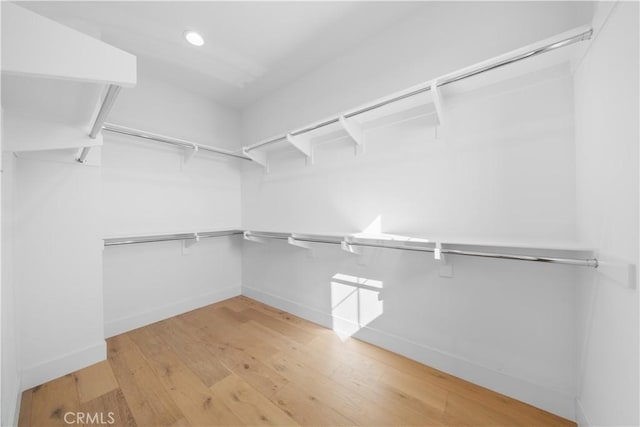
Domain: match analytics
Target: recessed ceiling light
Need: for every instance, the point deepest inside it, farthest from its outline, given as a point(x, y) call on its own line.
point(194, 38)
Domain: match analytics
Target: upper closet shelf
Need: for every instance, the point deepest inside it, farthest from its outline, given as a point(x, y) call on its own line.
point(429, 98)
point(194, 236)
point(190, 147)
point(58, 84)
point(352, 242)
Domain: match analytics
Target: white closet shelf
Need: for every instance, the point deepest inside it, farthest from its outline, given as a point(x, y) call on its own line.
point(555, 255)
point(426, 99)
point(147, 238)
point(192, 147)
point(58, 84)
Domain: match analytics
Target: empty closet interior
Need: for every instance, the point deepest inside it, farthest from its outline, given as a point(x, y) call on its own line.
point(453, 182)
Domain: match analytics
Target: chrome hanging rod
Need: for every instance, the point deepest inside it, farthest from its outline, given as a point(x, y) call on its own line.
point(593, 262)
point(169, 140)
point(586, 35)
point(117, 241)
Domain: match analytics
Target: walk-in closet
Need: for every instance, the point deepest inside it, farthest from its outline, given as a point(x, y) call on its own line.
point(309, 213)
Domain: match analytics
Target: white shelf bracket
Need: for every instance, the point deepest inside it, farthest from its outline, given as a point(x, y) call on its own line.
point(349, 248)
point(304, 245)
point(355, 132)
point(247, 236)
point(303, 145)
point(364, 256)
point(618, 271)
point(438, 255)
point(189, 153)
point(258, 157)
point(188, 243)
point(439, 105)
point(446, 269)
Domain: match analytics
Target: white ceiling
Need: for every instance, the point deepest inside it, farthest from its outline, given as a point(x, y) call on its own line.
point(251, 48)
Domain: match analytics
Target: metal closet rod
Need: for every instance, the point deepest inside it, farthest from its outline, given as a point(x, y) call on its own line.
point(118, 241)
point(593, 262)
point(445, 81)
point(110, 127)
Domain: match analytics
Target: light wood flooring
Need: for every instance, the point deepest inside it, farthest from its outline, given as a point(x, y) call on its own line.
point(240, 362)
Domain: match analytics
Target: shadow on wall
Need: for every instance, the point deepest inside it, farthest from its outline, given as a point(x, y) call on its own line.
point(355, 302)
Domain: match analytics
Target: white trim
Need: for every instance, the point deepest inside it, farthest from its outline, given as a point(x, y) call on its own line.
point(13, 421)
point(70, 362)
point(119, 326)
point(581, 416)
point(554, 401)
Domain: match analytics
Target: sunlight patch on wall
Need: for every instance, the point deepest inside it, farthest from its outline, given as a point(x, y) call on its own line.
point(355, 302)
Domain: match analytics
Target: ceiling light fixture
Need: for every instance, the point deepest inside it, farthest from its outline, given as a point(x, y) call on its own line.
point(194, 38)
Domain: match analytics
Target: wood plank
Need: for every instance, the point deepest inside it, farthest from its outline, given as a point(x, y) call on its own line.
point(238, 359)
point(52, 400)
point(403, 407)
point(463, 412)
point(227, 336)
point(372, 355)
point(233, 316)
point(111, 408)
point(397, 386)
point(304, 407)
point(94, 381)
point(241, 303)
point(148, 401)
point(344, 400)
point(292, 331)
point(248, 404)
point(192, 353)
point(198, 404)
point(26, 402)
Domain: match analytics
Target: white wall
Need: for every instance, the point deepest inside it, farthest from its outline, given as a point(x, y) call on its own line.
point(57, 265)
point(148, 189)
point(606, 103)
point(506, 174)
point(10, 390)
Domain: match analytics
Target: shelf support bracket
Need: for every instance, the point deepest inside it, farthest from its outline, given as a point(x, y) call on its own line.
point(189, 153)
point(303, 145)
point(188, 243)
point(247, 236)
point(355, 132)
point(438, 255)
point(304, 245)
point(439, 105)
point(446, 269)
point(258, 157)
point(364, 256)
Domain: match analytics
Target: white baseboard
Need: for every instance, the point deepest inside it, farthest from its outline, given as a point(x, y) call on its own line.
point(11, 419)
point(68, 363)
point(129, 323)
point(581, 416)
point(548, 399)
